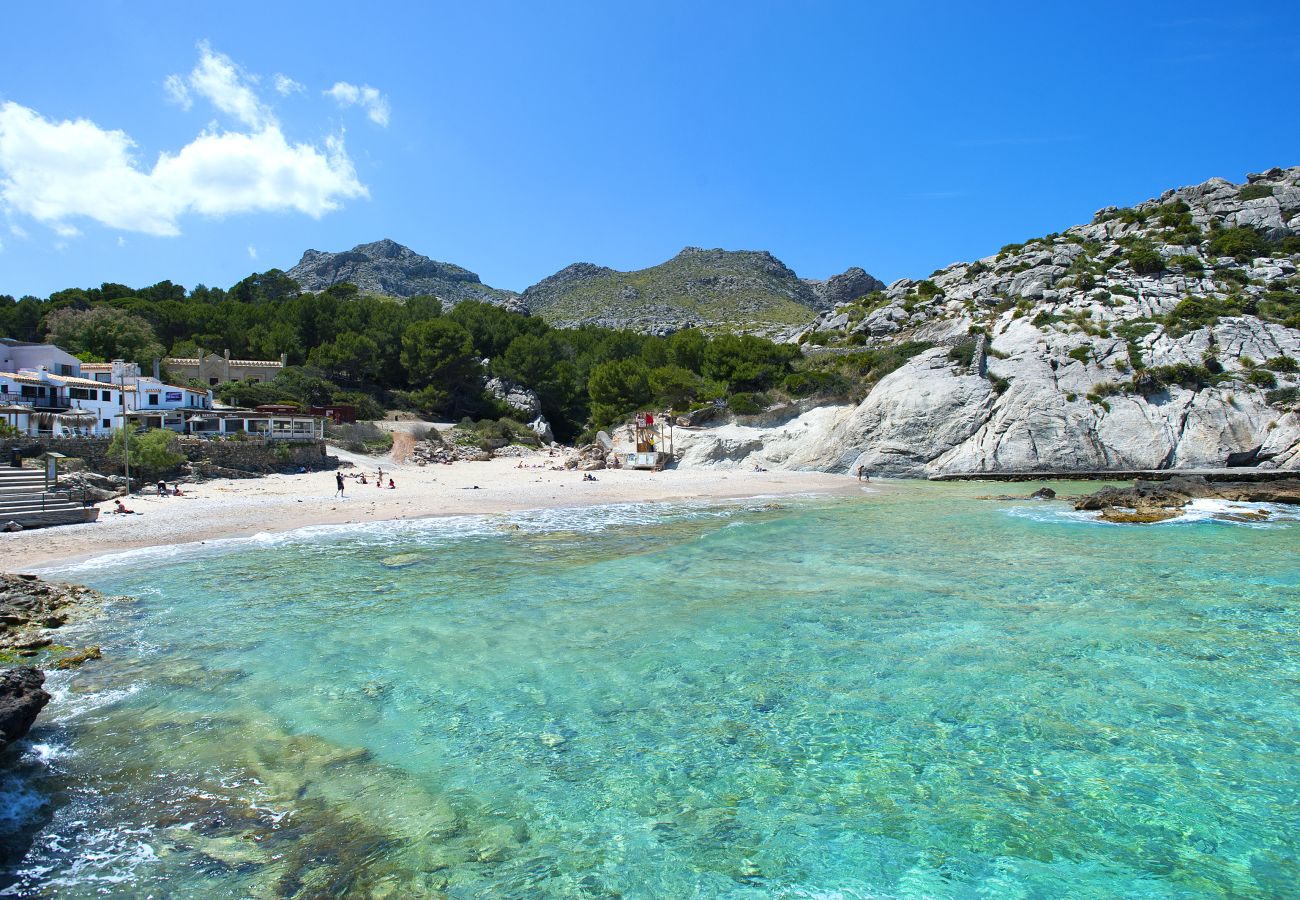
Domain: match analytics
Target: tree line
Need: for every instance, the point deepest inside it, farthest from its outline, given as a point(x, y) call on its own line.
point(344, 346)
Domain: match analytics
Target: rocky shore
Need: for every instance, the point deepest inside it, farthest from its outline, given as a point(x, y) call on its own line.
point(1158, 501)
point(29, 610)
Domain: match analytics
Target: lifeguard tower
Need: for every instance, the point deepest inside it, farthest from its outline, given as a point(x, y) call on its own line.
point(653, 435)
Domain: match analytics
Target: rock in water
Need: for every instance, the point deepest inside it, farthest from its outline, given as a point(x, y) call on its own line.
point(21, 700)
point(401, 560)
point(1043, 493)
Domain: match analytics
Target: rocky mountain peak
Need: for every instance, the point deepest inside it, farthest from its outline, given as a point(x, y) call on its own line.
point(392, 269)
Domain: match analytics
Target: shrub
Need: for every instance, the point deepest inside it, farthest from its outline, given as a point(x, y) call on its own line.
point(1255, 191)
point(1198, 312)
point(1044, 319)
point(1188, 263)
point(1000, 384)
point(963, 353)
point(1282, 364)
point(1194, 378)
point(1283, 396)
point(1144, 258)
point(1082, 353)
point(746, 404)
point(1261, 378)
point(805, 384)
point(927, 289)
point(1242, 243)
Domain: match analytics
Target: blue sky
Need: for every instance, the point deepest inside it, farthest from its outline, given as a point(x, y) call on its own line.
point(201, 142)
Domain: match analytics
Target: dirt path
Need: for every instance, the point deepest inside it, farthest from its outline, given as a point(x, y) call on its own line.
point(403, 446)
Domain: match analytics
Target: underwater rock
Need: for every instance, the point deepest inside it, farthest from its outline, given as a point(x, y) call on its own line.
point(401, 560)
point(1138, 517)
point(552, 740)
point(76, 659)
point(21, 700)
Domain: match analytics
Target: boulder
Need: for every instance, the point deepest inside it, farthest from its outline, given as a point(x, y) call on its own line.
point(21, 700)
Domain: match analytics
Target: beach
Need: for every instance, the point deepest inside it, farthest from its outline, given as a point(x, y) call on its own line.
point(223, 507)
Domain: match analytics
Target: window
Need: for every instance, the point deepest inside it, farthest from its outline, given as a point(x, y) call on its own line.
point(153, 399)
point(108, 423)
point(65, 369)
point(213, 382)
point(81, 394)
point(105, 395)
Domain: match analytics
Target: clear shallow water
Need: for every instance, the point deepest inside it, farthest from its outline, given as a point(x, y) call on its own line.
point(912, 694)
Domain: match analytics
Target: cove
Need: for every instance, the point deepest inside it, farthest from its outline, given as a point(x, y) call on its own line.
point(911, 693)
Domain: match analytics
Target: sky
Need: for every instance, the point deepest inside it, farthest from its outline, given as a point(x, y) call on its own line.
point(201, 142)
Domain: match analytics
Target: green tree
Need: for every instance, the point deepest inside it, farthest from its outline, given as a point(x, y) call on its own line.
point(438, 356)
point(617, 387)
point(152, 453)
point(350, 357)
point(746, 363)
point(102, 334)
point(673, 385)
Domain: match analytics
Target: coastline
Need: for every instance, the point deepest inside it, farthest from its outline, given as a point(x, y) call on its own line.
point(233, 508)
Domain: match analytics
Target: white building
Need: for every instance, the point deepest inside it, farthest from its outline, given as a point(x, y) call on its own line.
point(66, 397)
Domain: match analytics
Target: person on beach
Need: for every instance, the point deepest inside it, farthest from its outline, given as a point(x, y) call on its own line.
point(121, 508)
point(338, 479)
point(162, 489)
point(862, 474)
point(391, 486)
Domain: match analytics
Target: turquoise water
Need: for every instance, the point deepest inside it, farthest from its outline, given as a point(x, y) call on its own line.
point(911, 693)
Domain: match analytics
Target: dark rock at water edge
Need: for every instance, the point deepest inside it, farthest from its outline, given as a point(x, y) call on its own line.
point(21, 700)
point(1156, 501)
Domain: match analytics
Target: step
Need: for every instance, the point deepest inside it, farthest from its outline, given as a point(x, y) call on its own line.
point(57, 517)
point(9, 509)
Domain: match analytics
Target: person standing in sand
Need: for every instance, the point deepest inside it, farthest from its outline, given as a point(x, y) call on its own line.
point(338, 479)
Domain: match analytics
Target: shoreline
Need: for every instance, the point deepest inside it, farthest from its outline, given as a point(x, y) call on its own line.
point(240, 508)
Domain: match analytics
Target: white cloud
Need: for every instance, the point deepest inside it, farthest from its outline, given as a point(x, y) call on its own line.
point(374, 103)
point(178, 91)
point(121, 241)
point(224, 84)
point(252, 252)
point(284, 85)
point(17, 230)
point(59, 171)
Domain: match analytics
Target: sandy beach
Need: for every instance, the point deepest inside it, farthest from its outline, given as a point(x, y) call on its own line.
point(224, 508)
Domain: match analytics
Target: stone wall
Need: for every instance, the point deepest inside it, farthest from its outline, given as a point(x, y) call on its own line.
point(230, 457)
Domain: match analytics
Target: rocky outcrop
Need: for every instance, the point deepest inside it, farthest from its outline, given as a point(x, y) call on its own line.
point(386, 267)
point(1164, 336)
point(1147, 502)
point(742, 290)
point(21, 701)
point(850, 285)
point(29, 605)
point(523, 401)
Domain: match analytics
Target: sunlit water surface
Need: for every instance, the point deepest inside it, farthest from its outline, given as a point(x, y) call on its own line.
point(911, 693)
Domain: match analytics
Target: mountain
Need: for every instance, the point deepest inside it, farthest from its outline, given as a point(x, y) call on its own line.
point(386, 267)
point(741, 289)
point(1165, 335)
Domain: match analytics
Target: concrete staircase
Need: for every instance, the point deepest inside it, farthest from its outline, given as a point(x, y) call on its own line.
point(24, 499)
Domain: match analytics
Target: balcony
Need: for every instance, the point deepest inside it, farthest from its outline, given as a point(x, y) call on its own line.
point(38, 404)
